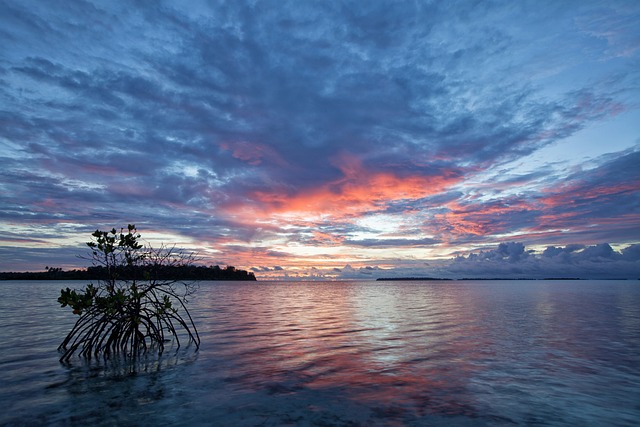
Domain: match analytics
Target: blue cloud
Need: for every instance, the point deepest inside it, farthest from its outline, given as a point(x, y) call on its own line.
point(512, 260)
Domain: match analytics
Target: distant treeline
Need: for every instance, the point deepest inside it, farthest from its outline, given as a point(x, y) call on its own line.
point(188, 272)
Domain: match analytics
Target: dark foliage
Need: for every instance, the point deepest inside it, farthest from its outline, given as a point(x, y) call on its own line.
point(185, 272)
point(138, 301)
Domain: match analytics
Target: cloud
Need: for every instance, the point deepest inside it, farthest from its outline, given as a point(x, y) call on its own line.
point(357, 190)
point(390, 242)
point(560, 252)
point(366, 272)
point(596, 201)
point(587, 205)
point(37, 258)
point(615, 27)
point(512, 260)
point(255, 128)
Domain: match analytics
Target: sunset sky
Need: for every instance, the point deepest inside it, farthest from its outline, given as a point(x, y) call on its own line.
point(326, 139)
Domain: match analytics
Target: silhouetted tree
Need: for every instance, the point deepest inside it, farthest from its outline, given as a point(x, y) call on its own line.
point(133, 307)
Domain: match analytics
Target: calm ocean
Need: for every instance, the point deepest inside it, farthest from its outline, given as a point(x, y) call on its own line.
point(345, 354)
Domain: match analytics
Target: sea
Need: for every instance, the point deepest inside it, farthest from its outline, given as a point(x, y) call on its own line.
point(352, 353)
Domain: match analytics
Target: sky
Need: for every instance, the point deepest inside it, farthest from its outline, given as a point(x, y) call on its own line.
point(326, 139)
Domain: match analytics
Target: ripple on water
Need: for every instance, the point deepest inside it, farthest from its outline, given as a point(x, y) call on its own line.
point(356, 353)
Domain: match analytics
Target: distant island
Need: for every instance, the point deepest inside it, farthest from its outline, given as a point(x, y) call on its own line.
point(385, 279)
point(521, 278)
point(187, 272)
point(472, 278)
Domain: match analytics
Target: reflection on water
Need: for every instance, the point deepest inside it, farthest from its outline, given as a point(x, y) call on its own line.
point(355, 353)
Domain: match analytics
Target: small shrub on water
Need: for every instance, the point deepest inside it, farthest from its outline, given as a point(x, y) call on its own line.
point(134, 308)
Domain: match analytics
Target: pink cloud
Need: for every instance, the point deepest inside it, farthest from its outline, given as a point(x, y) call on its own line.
point(479, 219)
point(358, 190)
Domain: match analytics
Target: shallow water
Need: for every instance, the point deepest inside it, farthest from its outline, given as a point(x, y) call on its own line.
point(345, 354)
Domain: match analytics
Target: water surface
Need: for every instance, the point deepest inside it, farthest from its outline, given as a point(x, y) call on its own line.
point(346, 353)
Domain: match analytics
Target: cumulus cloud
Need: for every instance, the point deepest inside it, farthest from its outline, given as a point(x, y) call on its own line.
point(512, 260)
point(365, 272)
